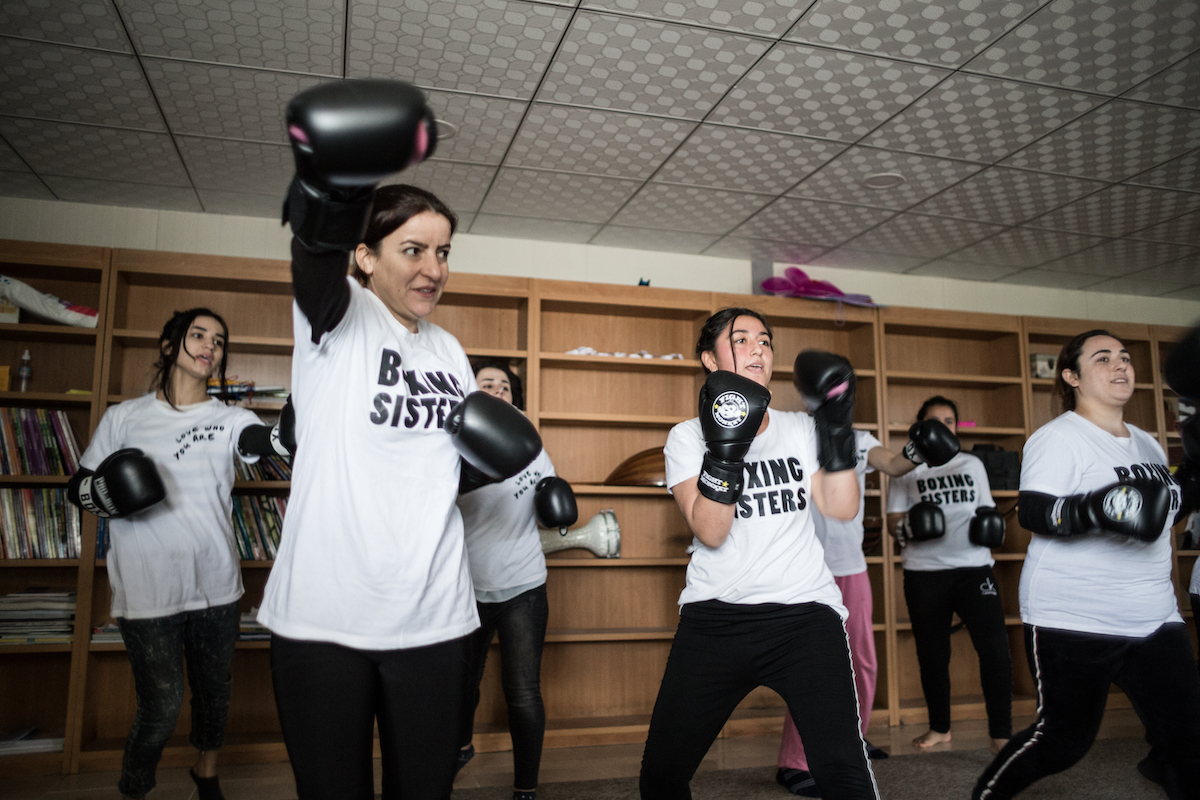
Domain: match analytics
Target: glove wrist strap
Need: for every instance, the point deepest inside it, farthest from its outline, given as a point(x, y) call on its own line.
point(93, 496)
point(835, 448)
point(326, 222)
point(720, 481)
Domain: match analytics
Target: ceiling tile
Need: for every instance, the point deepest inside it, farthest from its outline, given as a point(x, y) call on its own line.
point(484, 126)
point(1113, 142)
point(763, 17)
point(650, 239)
point(920, 235)
point(300, 35)
point(236, 166)
point(1007, 196)
point(1179, 173)
point(242, 204)
point(1024, 247)
point(546, 230)
point(24, 185)
point(811, 222)
point(498, 47)
point(842, 178)
point(1119, 210)
point(118, 193)
point(1095, 45)
point(460, 186)
point(1181, 230)
point(87, 151)
point(1052, 280)
point(1191, 293)
point(648, 67)
point(851, 257)
point(802, 90)
point(596, 142)
point(763, 250)
point(556, 195)
point(933, 31)
point(962, 270)
point(225, 102)
point(689, 208)
point(1118, 257)
point(1182, 270)
point(1136, 285)
point(67, 22)
point(1179, 85)
point(745, 160)
point(58, 82)
point(980, 119)
point(9, 160)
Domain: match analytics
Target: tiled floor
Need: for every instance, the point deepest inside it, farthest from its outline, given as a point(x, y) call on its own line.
point(274, 781)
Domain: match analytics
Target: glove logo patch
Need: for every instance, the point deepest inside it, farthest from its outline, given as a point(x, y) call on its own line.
point(1122, 502)
point(730, 409)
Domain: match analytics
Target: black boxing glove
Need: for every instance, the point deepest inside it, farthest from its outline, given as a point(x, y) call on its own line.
point(346, 137)
point(125, 483)
point(986, 528)
point(554, 503)
point(1137, 508)
point(826, 381)
point(923, 522)
point(732, 408)
point(272, 440)
point(1187, 474)
point(492, 435)
point(930, 442)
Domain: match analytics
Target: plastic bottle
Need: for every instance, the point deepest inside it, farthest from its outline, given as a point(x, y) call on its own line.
point(24, 373)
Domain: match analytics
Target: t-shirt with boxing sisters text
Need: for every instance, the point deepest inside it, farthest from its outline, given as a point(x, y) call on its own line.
point(372, 554)
point(958, 487)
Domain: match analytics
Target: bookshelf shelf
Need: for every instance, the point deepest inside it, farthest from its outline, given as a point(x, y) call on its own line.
point(57, 563)
point(34, 480)
point(47, 333)
point(32, 399)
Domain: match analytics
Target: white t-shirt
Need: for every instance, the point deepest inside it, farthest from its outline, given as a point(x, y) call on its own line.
point(958, 487)
point(842, 539)
point(372, 553)
point(1105, 583)
point(180, 554)
point(504, 547)
point(771, 554)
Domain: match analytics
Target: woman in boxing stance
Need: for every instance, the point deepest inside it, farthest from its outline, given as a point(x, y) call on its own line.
point(760, 606)
point(161, 467)
point(943, 516)
point(1097, 599)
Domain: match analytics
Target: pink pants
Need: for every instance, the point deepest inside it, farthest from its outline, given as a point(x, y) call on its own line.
point(856, 596)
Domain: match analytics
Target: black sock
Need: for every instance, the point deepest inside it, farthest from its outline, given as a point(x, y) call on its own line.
point(797, 781)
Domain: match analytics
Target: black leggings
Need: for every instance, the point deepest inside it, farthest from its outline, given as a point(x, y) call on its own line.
point(329, 698)
point(933, 598)
point(721, 652)
point(1073, 672)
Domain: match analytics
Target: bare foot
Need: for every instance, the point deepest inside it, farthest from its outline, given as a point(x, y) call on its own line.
point(930, 738)
point(998, 745)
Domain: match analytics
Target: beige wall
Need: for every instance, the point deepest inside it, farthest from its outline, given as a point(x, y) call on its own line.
point(111, 226)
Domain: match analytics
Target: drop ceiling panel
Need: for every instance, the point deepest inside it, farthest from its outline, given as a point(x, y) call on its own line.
point(922, 176)
point(689, 208)
point(24, 185)
point(763, 250)
point(1118, 258)
point(1052, 280)
point(1181, 270)
point(86, 151)
point(241, 204)
point(1024, 247)
point(1095, 45)
point(9, 160)
point(803, 90)
point(119, 193)
point(647, 67)
point(1177, 86)
point(1181, 230)
point(460, 186)
point(1119, 210)
point(541, 229)
point(224, 102)
point(597, 142)
point(91, 24)
point(932, 31)
point(54, 81)
point(1178, 173)
point(745, 160)
point(1007, 196)
point(811, 222)
point(1136, 285)
point(487, 46)
point(851, 257)
point(922, 235)
point(963, 270)
point(763, 17)
point(556, 195)
point(652, 239)
point(483, 126)
point(237, 166)
point(303, 35)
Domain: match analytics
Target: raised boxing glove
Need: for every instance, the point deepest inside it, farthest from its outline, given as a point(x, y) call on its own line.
point(826, 381)
point(930, 442)
point(554, 503)
point(278, 439)
point(346, 137)
point(986, 528)
point(492, 435)
point(732, 408)
point(923, 522)
point(1137, 508)
point(125, 483)
point(1187, 474)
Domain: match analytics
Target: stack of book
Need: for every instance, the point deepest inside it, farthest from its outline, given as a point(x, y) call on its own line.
point(246, 390)
point(23, 740)
point(267, 468)
point(107, 634)
point(37, 617)
point(257, 525)
point(36, 441)
point(250, 630)
point(39, 523)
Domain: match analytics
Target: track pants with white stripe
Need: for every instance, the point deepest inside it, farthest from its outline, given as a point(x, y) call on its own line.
point(1073, 672)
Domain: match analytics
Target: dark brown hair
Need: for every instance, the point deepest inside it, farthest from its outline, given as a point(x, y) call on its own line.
point(937, 400)
point(707, 341)
point(170, 341)
point(394, 205)
point(1068, 358)
point(514, 380)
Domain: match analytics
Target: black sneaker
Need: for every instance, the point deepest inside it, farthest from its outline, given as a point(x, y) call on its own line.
point(797, 781)
point(874, 753)
point(464, 756)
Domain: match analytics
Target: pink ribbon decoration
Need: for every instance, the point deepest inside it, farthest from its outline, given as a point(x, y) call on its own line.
point(795, 283)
